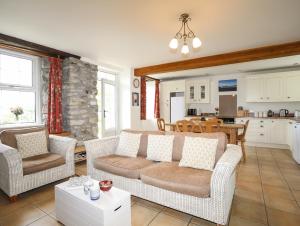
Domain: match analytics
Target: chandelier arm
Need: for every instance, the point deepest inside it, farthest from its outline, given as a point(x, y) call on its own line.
point(178, 34)
point(190, 33)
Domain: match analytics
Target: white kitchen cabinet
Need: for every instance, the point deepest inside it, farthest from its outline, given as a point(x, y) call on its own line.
point(277, 131)
point(255, 89)
point(275, 87)
point(290, 133)
point(291, 87)
point(197, 91)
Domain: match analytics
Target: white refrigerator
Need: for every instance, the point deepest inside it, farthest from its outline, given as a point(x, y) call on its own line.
point(177, 106)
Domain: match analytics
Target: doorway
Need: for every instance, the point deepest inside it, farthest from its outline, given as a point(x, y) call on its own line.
point(107, 104)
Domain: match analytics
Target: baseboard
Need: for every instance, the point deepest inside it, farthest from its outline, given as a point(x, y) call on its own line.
point(266, 145)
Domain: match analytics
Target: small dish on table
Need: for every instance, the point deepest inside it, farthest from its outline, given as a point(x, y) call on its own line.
point(105, 185)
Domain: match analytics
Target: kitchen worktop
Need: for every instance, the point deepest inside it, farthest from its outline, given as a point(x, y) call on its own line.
point(297, 119)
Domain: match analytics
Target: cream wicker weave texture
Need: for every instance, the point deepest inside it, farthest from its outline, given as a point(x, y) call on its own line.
point(12, 181)
point(216, 208)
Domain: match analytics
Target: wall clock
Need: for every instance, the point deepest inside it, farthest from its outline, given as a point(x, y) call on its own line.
point(136, 83)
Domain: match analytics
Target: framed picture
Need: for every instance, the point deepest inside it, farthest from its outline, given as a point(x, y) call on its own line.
point(227, 85)
point(135, 99)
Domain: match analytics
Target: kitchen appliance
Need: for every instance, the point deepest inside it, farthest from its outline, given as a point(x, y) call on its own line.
point(270, 113)
point(296, 143)
point(177, 106)
point(297, 113)
point(192, 111)
point(283, 113)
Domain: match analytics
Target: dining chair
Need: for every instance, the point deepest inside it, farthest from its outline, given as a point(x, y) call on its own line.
point(242, 140)
point(210, 126)
point(161, 124)
point(184, 126)
point(220, 121)
point(197, 124)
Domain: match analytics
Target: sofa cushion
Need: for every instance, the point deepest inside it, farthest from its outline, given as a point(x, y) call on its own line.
point(128, 144)
point(160, 148)
point(179, 142)
point(144, 140)
point(121, 165)
point(169, 176)
point(32, 144)
point(8, 137)
point(42, 162)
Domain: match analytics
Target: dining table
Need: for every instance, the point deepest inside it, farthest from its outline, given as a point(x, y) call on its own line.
point(230, 129)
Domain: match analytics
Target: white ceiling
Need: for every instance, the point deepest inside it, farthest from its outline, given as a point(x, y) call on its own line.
point(134, 33)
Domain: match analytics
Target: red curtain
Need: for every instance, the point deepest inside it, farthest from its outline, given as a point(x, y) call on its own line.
point(55, 96)
point(143, 98)
point(156, 102)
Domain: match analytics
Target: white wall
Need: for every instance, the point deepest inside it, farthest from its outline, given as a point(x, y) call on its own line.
point(241, 96)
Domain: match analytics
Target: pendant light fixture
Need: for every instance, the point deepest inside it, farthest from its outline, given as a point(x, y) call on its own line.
point(185, 33)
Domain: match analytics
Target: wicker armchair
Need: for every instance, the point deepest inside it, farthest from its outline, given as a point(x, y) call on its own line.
point(19, 175)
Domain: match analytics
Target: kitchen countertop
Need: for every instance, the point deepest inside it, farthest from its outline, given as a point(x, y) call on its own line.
point(297, 119)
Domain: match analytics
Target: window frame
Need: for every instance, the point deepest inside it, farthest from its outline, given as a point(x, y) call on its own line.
point(35, 87)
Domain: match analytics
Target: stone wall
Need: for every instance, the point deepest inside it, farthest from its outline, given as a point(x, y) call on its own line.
point(45, 68)
point(80, 109)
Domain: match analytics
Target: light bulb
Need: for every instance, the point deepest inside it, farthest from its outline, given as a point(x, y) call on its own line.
point(185, 49)
point(196, 42)
point(173, 43)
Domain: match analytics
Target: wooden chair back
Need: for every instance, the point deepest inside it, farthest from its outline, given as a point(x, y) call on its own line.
point(184, 126)
point(210, 126)
point(243, 135)
point(197, 125)
point(217, 120)
point(161, 124)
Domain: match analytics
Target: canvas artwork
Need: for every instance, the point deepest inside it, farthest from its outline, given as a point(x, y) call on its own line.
point(135, 99)
point(227, 85)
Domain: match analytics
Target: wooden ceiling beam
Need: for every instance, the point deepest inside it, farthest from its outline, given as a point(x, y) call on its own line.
point(261, 53)
point(12, 43)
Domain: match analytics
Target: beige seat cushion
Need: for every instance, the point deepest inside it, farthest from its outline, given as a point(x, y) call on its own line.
point(183, 180)
point(180, 137)
point(42, 162)
point(8, 137)
point(121, 165)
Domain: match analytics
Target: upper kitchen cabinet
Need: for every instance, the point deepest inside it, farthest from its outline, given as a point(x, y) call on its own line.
point(197, 91)
point(276, 87)
point(291, 91)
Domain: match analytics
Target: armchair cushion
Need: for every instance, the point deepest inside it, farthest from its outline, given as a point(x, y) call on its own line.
point(8, 137)
point(41, 162)
point(169, 176)
point(121, 165)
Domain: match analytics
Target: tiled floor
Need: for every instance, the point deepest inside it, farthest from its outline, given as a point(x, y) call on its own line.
point(267, 193)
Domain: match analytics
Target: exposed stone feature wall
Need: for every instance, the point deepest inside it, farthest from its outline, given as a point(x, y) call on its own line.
point(80, 109)
point(45, 68)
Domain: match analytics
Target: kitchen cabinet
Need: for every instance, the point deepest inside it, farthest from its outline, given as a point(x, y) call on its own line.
point(254, 90)
point(291, 87)
point(290, 133)
point(197, 91)
point(275, 87)
point(267, 131)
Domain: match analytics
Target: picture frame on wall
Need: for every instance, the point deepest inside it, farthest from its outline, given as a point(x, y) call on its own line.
point(135, 99)
point(228, 85)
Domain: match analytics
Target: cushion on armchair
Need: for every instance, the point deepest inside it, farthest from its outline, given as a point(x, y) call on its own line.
point(42, 162)
point(8, 137)
point(31, 144)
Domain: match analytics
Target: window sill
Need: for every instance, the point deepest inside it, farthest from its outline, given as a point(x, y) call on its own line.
point(19, 126)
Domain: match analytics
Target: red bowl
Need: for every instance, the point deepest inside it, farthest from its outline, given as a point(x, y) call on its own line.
point(105, 185)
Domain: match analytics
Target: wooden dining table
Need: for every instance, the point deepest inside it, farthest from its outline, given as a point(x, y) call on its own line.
point(230, 129)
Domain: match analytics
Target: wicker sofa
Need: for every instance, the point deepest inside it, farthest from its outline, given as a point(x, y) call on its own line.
point(201, 193)
point(18, 175)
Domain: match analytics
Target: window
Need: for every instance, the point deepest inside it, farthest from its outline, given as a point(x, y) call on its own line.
point(19, 91)
point(150, 100)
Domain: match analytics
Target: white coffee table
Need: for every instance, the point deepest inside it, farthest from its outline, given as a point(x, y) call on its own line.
point(74, 208)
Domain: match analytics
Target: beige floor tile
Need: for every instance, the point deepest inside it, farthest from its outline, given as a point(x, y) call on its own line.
point(249, 178)
point(22, 216)
point(45, 221)
point(141, 215)
point(249, 210)
point(249, 186)
point(8, 208)
point(282, 218)
point(47, 205)
point(296, 194)
point(274, 181)
point(166, 220)
point(293, 182)
point(196, 221)
point(238, 221)
point(272, 192)
point(149, 205)
point(177, 214)
point(290, 206)
point(249, 195)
